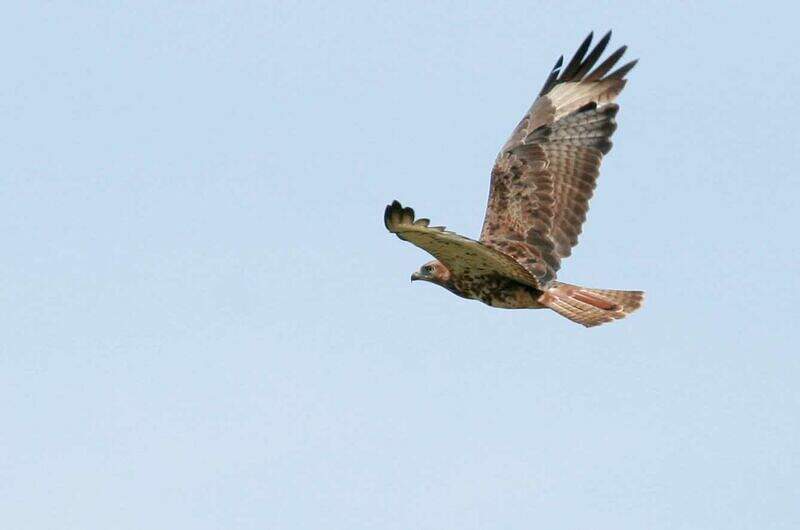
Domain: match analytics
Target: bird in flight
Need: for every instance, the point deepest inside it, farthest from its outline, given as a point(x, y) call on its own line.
point(539, 194)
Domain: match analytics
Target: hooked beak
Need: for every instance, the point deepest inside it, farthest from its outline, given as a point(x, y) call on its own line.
point(415, 276)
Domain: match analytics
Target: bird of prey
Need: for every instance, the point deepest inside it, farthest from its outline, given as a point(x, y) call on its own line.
point(539, 194)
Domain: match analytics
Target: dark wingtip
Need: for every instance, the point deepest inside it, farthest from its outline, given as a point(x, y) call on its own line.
point(552, 79)
point(391, 208)
point(623, 70)
point(396, 214)
point(590, 60)
point(607, 65)
point(577, 59)
point(585, 58)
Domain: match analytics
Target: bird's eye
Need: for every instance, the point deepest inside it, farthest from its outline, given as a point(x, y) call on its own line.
point(427, 269)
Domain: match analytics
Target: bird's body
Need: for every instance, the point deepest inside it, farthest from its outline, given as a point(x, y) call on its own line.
point(541, 184)
point(498, 291)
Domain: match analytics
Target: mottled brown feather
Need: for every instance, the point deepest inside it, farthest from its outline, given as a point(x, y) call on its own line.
point(522, 205)
point(471, 263)
point(546, 172)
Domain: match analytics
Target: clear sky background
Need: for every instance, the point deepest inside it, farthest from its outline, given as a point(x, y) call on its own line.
point(205, 324)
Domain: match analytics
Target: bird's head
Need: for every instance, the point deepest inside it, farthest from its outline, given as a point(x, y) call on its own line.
point(433, 272)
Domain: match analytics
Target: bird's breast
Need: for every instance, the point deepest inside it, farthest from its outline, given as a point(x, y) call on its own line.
point(504, 293)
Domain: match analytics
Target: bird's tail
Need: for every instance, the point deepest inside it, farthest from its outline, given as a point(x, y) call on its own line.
point(591, 307)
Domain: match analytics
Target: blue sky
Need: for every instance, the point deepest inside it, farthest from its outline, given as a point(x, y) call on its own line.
point(206, 325)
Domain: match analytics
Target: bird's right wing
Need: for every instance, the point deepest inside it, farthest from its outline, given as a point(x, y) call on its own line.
point(546, 172)
point(467, 259)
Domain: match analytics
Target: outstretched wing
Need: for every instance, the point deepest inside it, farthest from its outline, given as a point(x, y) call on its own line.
point(546, 172)
point(466, 258)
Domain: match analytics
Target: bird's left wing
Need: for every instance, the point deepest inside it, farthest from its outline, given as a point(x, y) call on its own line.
point(464, 257)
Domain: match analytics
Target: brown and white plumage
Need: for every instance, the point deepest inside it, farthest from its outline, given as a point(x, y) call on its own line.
point(541, 184)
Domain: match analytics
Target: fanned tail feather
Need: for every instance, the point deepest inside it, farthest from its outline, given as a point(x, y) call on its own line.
point(591, 307)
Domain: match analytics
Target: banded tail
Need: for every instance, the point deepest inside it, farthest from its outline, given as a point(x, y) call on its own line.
point(591, 307)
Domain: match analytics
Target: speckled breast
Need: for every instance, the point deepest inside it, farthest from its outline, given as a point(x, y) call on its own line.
point(505, 293)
